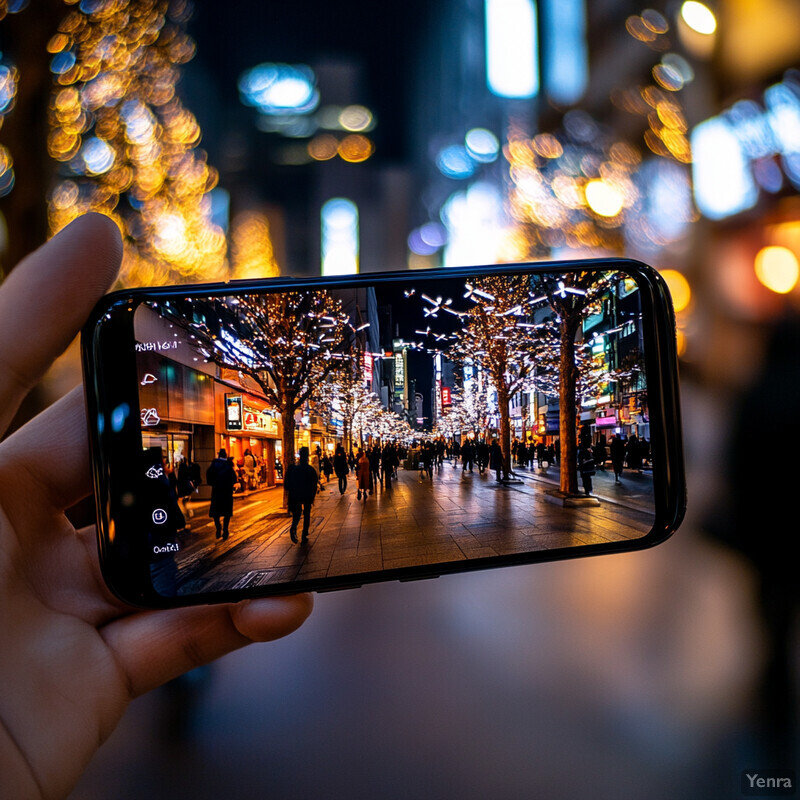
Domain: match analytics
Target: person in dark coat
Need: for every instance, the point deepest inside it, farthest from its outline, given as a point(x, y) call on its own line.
point(482, 455)
point(221, 477)
point(374, 468)
point(601, 453)
point(496, 459)
point(586, 467)
point(301, 486)
point(633, 454)
point(617, 451)
point(467, 455)
point(341, 468)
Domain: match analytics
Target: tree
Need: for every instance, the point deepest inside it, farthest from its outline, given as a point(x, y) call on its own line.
point(572, 298)
point(345, 396)
point(288, 342)
point(498, 337)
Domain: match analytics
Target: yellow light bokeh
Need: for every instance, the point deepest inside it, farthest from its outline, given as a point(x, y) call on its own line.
point(679, 289)
point(603, 198)
point(699, 17)
point(355, 148)
point(777, 268)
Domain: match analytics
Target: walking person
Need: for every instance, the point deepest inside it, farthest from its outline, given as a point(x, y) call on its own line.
point(600, 453)
point(496, 459)
point(327, 467)
point(467, 454)
point(221, 477)
point(301, 487)
point(185, 487)
point(363, 472)
point(341, 468)
point(617, 450)
point(374, 468)
point(249, 469)
point(482, 453)
point(586, 467)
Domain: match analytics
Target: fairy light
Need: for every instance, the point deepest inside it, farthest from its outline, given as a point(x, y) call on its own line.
point(120, 131)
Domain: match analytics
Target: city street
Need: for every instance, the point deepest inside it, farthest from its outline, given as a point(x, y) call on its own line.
point(455, 516)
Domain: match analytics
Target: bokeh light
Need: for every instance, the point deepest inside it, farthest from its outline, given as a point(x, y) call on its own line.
point(356, 148)
point(777, 268)
point(279, 89)
point(604, 198)
point(699, 17)
point(679, 289)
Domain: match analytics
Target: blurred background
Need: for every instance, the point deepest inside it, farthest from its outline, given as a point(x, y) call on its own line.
point(252, 139)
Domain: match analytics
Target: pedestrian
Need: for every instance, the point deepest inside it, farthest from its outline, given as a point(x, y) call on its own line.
point(327, 467)
point(600, 453)
point(456, 453)
point(301, 488)
point(221, 477)
point(249, 469)
point(482, 454)
point(467, 455)
point(496, 459)
point(633, 453)
point(374, 468)
point(185, 487)
point(341, 468)
point(617, 450)
point(586, 467)
point(426, 456)
point(363, 474)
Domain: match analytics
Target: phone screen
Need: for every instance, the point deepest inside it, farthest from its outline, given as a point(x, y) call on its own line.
point(402, 427)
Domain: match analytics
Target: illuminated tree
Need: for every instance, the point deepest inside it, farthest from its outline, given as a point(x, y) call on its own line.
point(572, 298)
point(288, 342)
point(345, 397)
point(498, 338)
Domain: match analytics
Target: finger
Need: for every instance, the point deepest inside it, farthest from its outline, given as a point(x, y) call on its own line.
point(52, 452)
point(46, 299)
point(153, 647)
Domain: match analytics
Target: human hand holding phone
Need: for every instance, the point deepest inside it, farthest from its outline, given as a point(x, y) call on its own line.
point(71, 655)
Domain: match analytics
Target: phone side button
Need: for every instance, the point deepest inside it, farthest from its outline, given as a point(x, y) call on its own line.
point(420, 578)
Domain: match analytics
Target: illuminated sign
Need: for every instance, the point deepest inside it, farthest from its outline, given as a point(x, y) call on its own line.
point(261, 421)
point(605, 422)
point(234, 412)
point(446, 397)
point(399, 372)
point(368, 368)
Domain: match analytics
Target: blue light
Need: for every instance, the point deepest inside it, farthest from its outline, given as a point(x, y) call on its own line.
point(511, 48)
point(566, 66)
point(454, 162)
point(723, 183)
point(118, 417)
point(279, 89)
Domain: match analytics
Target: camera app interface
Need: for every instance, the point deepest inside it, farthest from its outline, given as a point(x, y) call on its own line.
point(297, 435)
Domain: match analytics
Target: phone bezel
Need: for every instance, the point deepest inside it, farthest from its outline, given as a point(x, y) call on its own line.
point(110, 386)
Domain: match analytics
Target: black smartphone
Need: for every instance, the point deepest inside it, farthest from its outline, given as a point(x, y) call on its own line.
point(267, 437)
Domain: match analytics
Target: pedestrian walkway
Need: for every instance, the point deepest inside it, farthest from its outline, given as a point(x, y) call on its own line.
point(453, 517)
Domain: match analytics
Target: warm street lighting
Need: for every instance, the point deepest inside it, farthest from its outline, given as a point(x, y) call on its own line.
point(777, 268)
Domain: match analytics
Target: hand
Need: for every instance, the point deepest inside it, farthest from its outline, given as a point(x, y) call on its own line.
point(71, 655)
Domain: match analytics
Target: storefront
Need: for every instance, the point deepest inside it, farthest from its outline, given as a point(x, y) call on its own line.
point(245, 422)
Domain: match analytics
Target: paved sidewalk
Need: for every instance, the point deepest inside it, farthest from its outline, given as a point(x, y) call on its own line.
point(453, 517)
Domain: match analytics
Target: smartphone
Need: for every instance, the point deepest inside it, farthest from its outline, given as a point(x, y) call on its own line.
point(253, 438)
